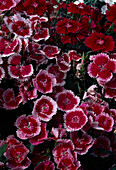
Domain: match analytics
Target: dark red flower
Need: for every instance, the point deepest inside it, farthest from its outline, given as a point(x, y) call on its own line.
point(28, 127)
point(81, 9)
point(45, 165)
point(101, 146)
point(73, 55)
point(98, 41)
point(82, 144)
point(44, 108)
point(66, 100)
point(75, 119)
point(67, 26)
point(44, 82)
point(111, 14)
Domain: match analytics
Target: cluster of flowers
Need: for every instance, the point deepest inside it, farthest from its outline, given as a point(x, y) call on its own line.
point(42, 44)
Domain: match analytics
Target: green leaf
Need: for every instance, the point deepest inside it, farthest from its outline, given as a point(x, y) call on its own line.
point(3, 149)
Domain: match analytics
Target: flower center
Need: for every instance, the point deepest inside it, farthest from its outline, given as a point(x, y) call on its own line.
point(100, 42)
point(68, 25)
point(35, 4)
point(44, 107)
point(66, 101)
point(75, 119)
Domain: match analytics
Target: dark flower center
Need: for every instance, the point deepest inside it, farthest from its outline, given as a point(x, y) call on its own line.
point(100, 42)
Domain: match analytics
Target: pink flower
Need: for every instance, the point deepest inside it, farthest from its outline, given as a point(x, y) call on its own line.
point(82, 144)
point(51, 51)
point(28, 127)
point(45, 165)
point(44, 108)
point(98, 41)
point(75, 119)
point(17, 155)
point(41, 136)
point(66, 100)
point(105, 122)
point(44, 82)
point(102, 67)
point(58, 133)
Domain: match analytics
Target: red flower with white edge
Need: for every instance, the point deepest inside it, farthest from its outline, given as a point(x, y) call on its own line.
point(54, 69)
point(105, 122)
point(58, 133)
point(2, 73)
point(67, 163)
point(43, 135)
point(110, 93)
point(75, 119)
point(17, 155)
point(101, 144)
point(28, 127)
point(64, 148)
point(73, 55)
point(51, 51)
point(82, 144)
point(19, 26)
point(44, 82)
point(63, 62)
point(10, 101)
point(56, 90)
point(7, 5)
point(40, 32)
point(102, 67)
point(111, 14)
point(98, 41)
point(7, 47)
point(45, 165)
point(67, 26)
point(17, 71)
point(44, 108)
point(66, 100)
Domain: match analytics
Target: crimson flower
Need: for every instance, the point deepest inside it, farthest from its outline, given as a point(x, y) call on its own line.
point(7, 5)
point(44, 108)
point(98, 41)
point(66, 100)
point(102, 67)
point(44, 82)
point(75, 119)
point(111, 14)
point(51, 51)
point(28, 127)
point(67, 26)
